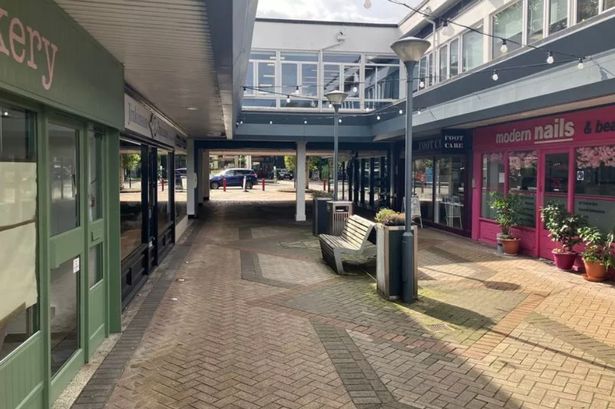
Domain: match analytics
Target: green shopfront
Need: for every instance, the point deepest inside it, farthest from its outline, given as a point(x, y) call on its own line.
point(61, 108)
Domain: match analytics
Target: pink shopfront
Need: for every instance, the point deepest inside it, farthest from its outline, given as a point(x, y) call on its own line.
point(568, 158)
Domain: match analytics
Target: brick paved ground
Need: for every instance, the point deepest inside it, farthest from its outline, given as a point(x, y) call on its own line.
point(260, 321)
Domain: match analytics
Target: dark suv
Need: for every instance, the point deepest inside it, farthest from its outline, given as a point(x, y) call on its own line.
point(234, 177)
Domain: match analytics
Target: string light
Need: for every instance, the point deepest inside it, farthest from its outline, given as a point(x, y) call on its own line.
point(270, 122)
point(305, 122)
point(580, 64)
point(504, 47)
point(297, 90)
point(339, 120)
point(401, 112)
point(495, 75)
point(378, 118)
point(355, 89)
point(288, 99)
point(422, 83)
point(550, 59)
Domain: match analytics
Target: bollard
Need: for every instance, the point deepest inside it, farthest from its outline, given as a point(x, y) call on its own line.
point(224, 184)
point(263, 184)
point(245, 185)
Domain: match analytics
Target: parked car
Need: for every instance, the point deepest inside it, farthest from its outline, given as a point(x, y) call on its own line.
point(285, 174)
point(234, 177)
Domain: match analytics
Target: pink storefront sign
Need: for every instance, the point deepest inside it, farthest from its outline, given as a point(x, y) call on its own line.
point(572, 140)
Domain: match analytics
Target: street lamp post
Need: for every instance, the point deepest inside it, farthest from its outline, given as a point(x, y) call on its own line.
point(410, 50)
point(336, 98)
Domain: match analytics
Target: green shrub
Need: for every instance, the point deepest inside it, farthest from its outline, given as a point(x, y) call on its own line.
point(563, 227)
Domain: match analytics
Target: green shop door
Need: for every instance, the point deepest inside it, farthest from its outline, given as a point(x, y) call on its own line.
point(77, 296)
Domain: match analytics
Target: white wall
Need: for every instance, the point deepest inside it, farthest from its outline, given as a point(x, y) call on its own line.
point(298, 36)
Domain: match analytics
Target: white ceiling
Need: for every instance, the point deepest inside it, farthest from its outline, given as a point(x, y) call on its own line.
point(166, 49)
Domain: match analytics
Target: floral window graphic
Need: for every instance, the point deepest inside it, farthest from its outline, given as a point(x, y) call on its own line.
point(596, 170)
point(594, 156)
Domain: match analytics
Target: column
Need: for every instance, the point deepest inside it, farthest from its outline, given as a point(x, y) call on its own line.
point(192, 178)
point(203, 194)
point(300, 181)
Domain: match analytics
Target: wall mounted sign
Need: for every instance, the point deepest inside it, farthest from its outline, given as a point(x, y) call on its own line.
point(145, 122)
point(450, 141)
point(48, 57)
point(587, 125)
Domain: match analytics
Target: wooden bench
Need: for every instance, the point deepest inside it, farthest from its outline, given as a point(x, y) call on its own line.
point(352, 241)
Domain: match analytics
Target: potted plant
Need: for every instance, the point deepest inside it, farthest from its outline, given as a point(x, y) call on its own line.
point(563, 228)
point(598, 254)
point(507, 215)
point(389, 231)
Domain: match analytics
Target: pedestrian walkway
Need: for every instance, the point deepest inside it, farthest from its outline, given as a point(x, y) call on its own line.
point(248, 316)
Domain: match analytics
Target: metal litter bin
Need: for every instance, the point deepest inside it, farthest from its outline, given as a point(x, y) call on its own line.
point(320, 219)
point(339, 211)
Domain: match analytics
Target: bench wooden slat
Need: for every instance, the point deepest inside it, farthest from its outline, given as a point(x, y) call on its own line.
point(353, 239)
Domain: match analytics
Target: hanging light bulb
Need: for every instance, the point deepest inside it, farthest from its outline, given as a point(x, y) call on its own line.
point(339, 120)
point(422, 83)
point(550, 59)
point(355, 89)
point(447, 30)
point(418, 112)
point(504, 47)
point(297, 90)
point(270, 122)
point(305, 122)
point(495, 75)
point(330, 105)
point(401, 112)
point(367, 4)
point(288, 99)
point(580, 64)
point(378, 118)
point(313, 104)
point(241, 122)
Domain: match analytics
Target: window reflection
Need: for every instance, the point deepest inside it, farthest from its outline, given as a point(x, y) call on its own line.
point(493, 181)
point(64, 312)
point(164, 204)
point(522, 178)
point(423, 186)
point(508, 24)
point(131, 199)
point(181, 187)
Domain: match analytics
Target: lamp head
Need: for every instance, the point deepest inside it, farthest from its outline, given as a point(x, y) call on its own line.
point(336, 97)
point(410, 49)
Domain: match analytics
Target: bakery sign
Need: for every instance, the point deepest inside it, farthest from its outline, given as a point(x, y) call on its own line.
point(26, 45)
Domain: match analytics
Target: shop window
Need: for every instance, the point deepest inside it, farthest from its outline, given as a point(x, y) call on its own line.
point(181, 187)
point(492, 181)
point(608, 4)
point(443, 63)
point(290, 80)
point(131, 197)
point(423, 176)
point(507, 24)
point(450, 191)
point(454, 58)
point(18, 229)
point(586, 9)
point(381, 82)
point(64, 313)
point(266, 77)
point(558, 15)
point(556, 173)
point(522, 178)
point(535, 20)
point(163, 201)
point(596, 171)
point(64, 177)
point(95, 265)
point(472, 49)
point(352, 81)
point(309, 80)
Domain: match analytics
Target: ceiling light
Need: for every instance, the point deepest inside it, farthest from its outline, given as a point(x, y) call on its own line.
point(192, 109)
point(550, 59)
point(495, 75)
point(367, 4)
point(504, 47)
point(580, 64)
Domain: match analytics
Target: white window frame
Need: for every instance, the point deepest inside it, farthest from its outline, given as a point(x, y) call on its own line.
point(523, 25)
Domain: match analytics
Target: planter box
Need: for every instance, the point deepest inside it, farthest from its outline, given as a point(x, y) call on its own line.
point(320, 219)
point(388, 260)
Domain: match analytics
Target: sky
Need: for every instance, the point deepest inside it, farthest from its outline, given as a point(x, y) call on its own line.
point(381, 11)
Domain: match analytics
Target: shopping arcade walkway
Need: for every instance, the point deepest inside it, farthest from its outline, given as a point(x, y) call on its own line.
point(260, 321)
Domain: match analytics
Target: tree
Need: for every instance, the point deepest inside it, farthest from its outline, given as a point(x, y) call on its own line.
point(290, 162)
point(130, 162)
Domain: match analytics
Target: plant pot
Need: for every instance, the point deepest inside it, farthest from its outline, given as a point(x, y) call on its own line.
point(595, 271)
point(564, 260)
point(510, 245)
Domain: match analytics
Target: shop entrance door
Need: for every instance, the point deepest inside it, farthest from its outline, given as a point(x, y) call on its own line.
point(151, 226)
point(554, 188)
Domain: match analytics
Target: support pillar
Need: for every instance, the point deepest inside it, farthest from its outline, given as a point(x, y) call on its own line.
point(192, 178)
point(300, 181)
point(203, 194)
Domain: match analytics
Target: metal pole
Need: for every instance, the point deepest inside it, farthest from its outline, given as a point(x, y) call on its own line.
point(409, 284)
point(336, 108)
